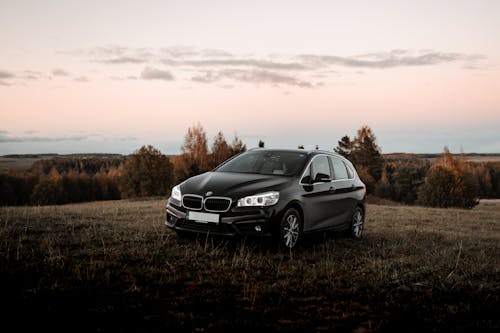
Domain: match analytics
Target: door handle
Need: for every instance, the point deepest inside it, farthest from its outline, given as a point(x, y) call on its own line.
point(332, 189)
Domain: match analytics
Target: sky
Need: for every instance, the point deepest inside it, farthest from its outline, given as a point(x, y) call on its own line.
point(110, 76)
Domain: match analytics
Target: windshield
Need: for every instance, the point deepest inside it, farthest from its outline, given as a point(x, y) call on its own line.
point(286, 163)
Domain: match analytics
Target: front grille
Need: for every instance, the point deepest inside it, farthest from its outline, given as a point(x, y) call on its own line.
point(217, 204)
point(204, 227)
point(194, 202)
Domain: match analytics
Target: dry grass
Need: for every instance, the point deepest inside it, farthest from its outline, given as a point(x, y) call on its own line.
point(113, 266)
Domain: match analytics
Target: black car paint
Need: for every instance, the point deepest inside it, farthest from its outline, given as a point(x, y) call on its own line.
point(324, 205)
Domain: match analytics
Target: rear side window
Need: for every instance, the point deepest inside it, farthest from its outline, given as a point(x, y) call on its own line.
point(339, 169)
point(350, 172)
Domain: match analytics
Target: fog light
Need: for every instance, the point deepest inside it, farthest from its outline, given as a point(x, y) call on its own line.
point(258, 228)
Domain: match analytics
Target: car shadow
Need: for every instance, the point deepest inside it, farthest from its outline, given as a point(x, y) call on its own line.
point(261, 245)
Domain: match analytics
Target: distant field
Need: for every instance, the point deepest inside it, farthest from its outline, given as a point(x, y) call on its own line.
point(21, 163)
point(16, 164)
point(113, 266)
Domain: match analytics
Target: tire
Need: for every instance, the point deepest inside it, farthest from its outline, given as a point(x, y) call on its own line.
point(357, 223)
point(290, 229)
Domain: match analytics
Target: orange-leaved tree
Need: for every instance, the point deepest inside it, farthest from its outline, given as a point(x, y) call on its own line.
point(449, 183)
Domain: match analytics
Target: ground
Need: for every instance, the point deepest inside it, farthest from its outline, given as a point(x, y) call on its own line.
point(113, 266)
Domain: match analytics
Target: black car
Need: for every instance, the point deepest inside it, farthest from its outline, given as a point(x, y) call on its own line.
point(268, 192)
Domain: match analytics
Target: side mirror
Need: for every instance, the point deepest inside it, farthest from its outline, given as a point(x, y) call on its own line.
point(322, 178)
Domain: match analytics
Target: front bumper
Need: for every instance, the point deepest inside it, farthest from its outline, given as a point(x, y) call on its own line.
point(238, 221)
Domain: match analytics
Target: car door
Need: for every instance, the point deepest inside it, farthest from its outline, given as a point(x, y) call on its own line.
point(318, 195)
point(343, 188)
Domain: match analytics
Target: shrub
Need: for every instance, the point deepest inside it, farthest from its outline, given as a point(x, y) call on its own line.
point(147, 172)
point(449, 183)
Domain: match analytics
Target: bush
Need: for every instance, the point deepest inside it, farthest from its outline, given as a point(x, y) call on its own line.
point(146, 173)
point(449, 183)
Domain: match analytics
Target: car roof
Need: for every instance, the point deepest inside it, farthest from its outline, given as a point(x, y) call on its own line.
point(307, 151)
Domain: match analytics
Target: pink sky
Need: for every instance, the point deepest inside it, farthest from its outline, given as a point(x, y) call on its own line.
point(110, 77)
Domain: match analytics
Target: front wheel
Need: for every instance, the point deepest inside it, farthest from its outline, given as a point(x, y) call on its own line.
point(358, 220)
point(290, 228)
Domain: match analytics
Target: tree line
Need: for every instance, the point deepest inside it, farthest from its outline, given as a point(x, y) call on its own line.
point(146, 172)
point(448, 182)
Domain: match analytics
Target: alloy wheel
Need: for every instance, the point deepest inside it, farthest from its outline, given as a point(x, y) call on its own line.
point(290, 228)
point(357, 223)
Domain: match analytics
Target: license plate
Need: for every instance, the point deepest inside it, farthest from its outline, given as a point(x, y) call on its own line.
point(203, 217)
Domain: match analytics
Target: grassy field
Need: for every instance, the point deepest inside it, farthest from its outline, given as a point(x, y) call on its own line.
point(113, 266)
point(16, 164)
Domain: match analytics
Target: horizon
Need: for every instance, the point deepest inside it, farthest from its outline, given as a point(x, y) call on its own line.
point(111, 77)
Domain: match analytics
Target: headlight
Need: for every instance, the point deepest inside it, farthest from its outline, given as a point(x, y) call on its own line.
point(176, 193)
point(262, 199)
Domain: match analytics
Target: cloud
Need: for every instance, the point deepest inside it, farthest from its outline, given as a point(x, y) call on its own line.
point(180, 51)
point(215, 53)
point(81, 79)
point(9, 78)
point(6, 75)
point(124, 60)
point(107, 51)
point(150, 73)
point(59, 72)
point(31, 75)
point(395, 58)
point(299, 70)
point(251, 76)
point(6, 138)
point(256, 63)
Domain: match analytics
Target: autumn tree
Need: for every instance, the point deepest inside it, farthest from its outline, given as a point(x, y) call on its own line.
point(48, 191)
point(449, 183)
point(221, 150)
point(195, 152)
point(147, 172)
point(366, 153)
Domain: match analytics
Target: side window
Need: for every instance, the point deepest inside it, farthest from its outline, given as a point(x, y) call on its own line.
point(321, 169)
point(339, 169)
point(350, 173)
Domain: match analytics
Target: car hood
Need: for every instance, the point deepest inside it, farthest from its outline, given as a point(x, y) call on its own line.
point(233, 185)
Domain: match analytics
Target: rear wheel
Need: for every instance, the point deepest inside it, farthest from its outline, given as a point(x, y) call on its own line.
point(357, 223)
point(290, 229)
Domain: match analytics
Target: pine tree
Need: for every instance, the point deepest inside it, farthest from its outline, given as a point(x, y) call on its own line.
point(344, 146)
